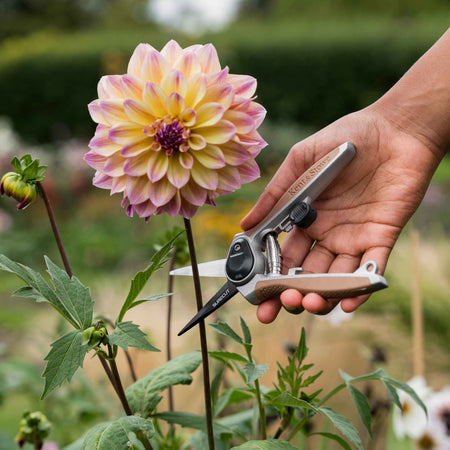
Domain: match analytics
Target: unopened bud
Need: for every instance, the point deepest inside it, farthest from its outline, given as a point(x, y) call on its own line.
point(34, 427)
point(13, 186)
point(93, 337)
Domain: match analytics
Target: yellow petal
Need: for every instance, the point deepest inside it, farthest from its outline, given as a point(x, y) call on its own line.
point(113, 110)
point(154, 67)
point(175, 104)
point(196, 141)
point(158, 162)
point(210, 157)
point(109, 87)
point(138, 112)
point(188, 117)
point(219, 133)
point(209, 114)
point(136, 166)
point(177, 174)
point(161, 192)
point(136, 146)
point(137, 59)
point(204, 177)
point(155, 99)
point(196, 89)
point(188, 63)
point(174, 81)
point(242, 121)
point(123, 132)
point(219, 93)
point(208, 58)
point(132, 87)
point(171, 51)
point(137, 189)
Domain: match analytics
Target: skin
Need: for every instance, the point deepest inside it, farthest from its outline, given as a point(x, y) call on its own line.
point(399, 140)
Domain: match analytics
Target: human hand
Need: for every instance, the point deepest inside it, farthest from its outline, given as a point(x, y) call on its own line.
point(360, 215)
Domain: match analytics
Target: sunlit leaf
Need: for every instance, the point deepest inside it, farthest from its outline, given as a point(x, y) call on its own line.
point(128, 334)
point(226, 330)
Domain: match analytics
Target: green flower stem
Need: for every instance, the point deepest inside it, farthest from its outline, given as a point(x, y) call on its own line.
point(169, 321)
point(201, 326)
point(262, 412)
point(51, 217)
point(299, 426)
point(118, 382)
point(331, 393)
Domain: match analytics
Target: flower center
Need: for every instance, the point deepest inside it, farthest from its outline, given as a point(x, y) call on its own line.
point(169, 134)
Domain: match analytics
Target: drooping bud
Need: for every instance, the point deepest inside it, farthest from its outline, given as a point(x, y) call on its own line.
point(22, 185)
point(95, 335)
point(34, 427)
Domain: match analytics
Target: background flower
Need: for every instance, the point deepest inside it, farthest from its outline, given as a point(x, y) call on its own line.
point(176, 131)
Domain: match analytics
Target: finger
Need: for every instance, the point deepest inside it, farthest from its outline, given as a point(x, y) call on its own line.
point(291, 299)
point(295, 248)
point(316, 304)
point(378, 254)
point(279, 184)
point(268, 310)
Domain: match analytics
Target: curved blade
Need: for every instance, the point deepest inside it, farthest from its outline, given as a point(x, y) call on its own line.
point(208, 269)
point(225, 293)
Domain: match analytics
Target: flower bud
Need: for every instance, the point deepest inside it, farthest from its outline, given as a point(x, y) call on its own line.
point(34, 427)
point(93, 337)
point(13, 186)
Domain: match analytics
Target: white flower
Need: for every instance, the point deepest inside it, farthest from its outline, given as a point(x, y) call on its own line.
point(411, 420)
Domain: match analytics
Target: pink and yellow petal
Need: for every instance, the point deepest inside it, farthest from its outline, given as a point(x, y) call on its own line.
point(229, 179)
point(161, 192)
point(109, 87)
point(210, 157)
point(136, 166)
point(257, 112)
point(235, 154)
point(138, 112)
point(136, 147)
point(189, 64)
point(206, 178)
point(154, 67)
point(137, 59)
point(132, 87)
point(249, 171)
point(177, 174)
point(186, 160)
point(171, 52)
point(137, 189)
point(119, 184)
point(219, 93)
point(155, 100)
point(188, 117)
point(96, 113)
point(244, 85)
point(145, 209)
point(102, 180)
point(196, 142)
point(114, 165)
point(187, 210)
point(95, 160)
point(209, 61)
point(101, 144)
point(219, 133)
point(194, 193)
point(174, 81)
point(209, 114)
point(175, 104)
point(123, 132)
point(158, 163)
point(242, 121)
point(113, 111)
point(196, 90)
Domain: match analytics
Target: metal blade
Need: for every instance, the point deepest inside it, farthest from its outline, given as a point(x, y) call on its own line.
point(208, 269)
point(225, 293)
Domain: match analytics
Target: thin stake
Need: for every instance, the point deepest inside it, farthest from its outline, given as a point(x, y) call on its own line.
point(201, 326)
point(416, 307)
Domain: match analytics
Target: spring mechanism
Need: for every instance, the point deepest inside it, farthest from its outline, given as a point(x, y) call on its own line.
point(273, 254)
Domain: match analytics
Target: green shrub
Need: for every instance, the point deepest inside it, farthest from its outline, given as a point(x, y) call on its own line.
point(307, 72)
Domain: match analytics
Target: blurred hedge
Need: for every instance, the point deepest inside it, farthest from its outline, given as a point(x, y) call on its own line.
point(308, 73)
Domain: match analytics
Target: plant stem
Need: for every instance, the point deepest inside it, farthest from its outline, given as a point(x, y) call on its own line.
point(169, 321)
point(203, 343)
point(331, 393)
point(118, 383)
point(59, 243)
point(131, 366)
point(107, 371)
point(298, 427)
point(262, 412)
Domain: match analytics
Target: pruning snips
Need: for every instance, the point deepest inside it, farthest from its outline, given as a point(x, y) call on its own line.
point(254, 262)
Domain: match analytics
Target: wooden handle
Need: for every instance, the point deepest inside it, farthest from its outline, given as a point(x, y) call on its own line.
point(341, 286)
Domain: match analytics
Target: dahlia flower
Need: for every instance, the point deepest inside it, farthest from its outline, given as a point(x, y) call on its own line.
point(175, 132)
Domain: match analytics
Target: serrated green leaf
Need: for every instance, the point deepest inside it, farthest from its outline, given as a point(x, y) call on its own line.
point(128, 334)
point(226, 330)
point(406, 388)
point(196, 422)
point(311, 379)
point(114, 435)
point(30, 171)
point(254, 371)
point(223, 355)
point(393, 394)
point(343, 425)
point(65, 357)
point(16, 164)
point(334, 437)
point(75, 297)
point(362, 405)
point(246, 332)
point(269, 444)
point(39, 290)
point(286, 399)
point(232, 396)
point(143, 396)
point(141, 278)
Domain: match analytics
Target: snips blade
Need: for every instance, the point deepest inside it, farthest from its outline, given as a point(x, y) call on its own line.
point(225, 293)
point(208, 269)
